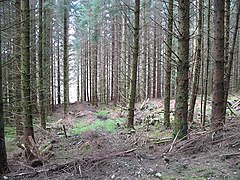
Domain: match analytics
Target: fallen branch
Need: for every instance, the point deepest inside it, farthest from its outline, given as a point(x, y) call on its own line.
point(108, 156)
point(231, 110)
point(162, 140)
point(144, 102)
point(91, 159)
point(229, 155)
point(75, 163)
point(174, 141)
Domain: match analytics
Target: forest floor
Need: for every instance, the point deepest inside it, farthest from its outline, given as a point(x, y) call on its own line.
point(98, 146)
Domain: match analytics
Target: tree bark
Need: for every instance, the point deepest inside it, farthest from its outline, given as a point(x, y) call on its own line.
point(154, 57)
point(181, 112)
point(230, 59)
point(217, 117)
point(144, 53)
point(65, 61)
point(33, 58)
point(41, 68)
point(130, 123)
point(47, 55)
point(3, 154)
point(207, 65)
point(197, 66)
point(25, 68)
point(17, 77)
point(167, 87)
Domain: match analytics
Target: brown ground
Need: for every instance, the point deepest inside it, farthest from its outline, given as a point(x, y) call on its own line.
point(141, 155)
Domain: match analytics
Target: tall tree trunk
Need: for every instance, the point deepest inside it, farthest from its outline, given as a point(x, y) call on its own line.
point(41, 68)
point(119, 62)
point(197, 66)
point(181, 112)
point(227, 31)
point(26, 84)
point(82, 66)
point(104, 80)
point(78, 75)
point(17, 84)
point(3, 154)
point(144, 56)
point(114, 63)
point(167, 88)
point(207, 65)
point(218, 118)
point(90, 77)
point(85, 70)
point(47, 54)
point(88, 58)
point(52, 72)
point(230, 59)
point(65, 60)
point(159, 64)
point(130, 123)
point(95, 67)
point(58, 72)
point(33, 59)
point(123, 76)
point(9, 66)
point(149, 70)
point(154, 57)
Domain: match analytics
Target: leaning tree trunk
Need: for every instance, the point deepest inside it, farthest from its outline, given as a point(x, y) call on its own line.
point(3, 154)
point(197, 66)
point(218, 118)
point(230, 59)
point(130, 122)
point(181, 112)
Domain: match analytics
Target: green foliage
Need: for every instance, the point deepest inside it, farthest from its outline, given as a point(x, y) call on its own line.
point(108, 125)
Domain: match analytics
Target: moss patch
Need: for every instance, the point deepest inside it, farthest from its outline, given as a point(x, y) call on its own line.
point(101, 113)
point(10, 135)
point(109, 125)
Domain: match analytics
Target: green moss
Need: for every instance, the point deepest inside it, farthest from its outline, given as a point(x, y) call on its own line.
point(10, 135)
point(194, 178)
point(107, 125)
point(10, 132)
point(101, 113)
